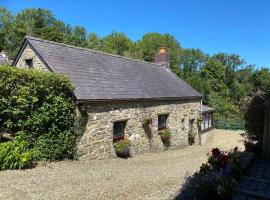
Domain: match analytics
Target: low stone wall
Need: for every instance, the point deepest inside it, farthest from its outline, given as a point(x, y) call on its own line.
point(207, 137)
point(97, 141)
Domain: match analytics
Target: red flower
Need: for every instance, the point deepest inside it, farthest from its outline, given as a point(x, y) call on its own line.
point(224, 158)
point(215, 152)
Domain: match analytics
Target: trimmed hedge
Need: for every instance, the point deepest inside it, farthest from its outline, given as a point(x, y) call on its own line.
point(41, 105)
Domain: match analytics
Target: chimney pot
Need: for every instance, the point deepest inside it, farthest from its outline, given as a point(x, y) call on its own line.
point(162, 49)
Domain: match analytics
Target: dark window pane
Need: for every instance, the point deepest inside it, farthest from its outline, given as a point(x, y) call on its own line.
point(119, 130)
point(29, 63)
point(162, 122)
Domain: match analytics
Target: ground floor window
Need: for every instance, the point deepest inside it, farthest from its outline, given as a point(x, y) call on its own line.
point(119, 130)
point(162, 122)
point(206, 121)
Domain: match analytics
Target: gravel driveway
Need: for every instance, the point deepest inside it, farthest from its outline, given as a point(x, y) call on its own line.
point(147, 176)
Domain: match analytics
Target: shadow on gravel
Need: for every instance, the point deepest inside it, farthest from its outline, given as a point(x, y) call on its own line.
point(214, 185)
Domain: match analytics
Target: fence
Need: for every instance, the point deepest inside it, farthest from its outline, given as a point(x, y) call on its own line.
point(232, 125)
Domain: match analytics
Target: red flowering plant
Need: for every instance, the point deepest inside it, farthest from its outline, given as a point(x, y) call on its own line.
point(218, 159)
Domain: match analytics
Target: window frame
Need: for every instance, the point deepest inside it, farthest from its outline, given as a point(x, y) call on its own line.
point(165, 125)
point(123, 127)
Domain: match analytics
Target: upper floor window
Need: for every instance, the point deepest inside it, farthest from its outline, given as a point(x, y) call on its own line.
point(162, 122)
point(29, 63)
point(119, 130)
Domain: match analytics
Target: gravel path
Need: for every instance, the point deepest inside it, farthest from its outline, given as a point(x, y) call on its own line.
point(147, 176)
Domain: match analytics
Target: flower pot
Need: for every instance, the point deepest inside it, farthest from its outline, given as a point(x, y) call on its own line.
point(124, 153)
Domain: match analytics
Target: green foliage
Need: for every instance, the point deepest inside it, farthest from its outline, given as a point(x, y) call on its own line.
point(122, 145)
point(217, 186)
point(116, 43)
point(191, 137)
point(41, 104)
point(165, 137)
point(254, 118)
point(15, 154)
point(122, 148)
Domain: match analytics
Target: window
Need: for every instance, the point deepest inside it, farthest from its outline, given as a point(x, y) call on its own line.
point(119, 130)
point(162, 122)
point(29, 63)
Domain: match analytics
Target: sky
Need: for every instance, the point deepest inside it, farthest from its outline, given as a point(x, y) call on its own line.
point(230, 26)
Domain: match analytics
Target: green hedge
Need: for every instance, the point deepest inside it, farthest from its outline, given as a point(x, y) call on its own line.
point(41, 106)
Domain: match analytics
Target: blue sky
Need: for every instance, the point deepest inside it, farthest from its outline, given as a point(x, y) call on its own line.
point(232, 26)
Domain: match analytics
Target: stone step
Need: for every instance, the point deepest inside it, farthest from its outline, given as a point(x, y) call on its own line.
point(250, 195)
point(266, 181)
point(254, 188)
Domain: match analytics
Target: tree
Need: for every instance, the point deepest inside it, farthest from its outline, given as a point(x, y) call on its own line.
point(261, 80)
point(191, 61)
point(94, 42)
point(151, 42)
point(6, 21)
point(214, 73)
point(54, 33)
point(116, 43)
point(77, 37)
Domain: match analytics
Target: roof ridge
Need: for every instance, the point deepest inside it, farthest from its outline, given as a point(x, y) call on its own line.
point(90, 50)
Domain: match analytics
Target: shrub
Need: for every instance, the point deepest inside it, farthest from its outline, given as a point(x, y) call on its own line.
point(191, 137)
point(165, 137)
point(218, 159)
point(214, 182)
point(122, 148)
point(254, 118)
point(214, 186)
point(16, 155)
point(41, 104)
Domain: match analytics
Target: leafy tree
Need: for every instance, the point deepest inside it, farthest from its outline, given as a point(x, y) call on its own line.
point(261, 80)
point(94, 42)
point(6, 21)
point(214, 72)
point(54, 32)
point(77, 37)
point(116, 43)
point(191, 61)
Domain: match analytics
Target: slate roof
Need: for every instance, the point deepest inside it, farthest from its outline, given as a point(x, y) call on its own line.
point(102, 76)
point(206, 109)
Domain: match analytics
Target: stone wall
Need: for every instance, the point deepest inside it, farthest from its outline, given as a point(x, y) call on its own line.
point(97, 141)
point(28, 53)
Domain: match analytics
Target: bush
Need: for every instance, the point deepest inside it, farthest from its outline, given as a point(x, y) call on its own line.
point(254, 118)
point(165, 137)
point(41, 105)
point(16, 155)
point(191, 137)
point(214, 186)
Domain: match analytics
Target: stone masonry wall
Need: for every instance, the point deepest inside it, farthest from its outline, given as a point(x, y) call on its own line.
point(97, 141)
point(28, 53)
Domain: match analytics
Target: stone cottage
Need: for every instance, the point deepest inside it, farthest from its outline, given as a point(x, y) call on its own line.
point(119, 95)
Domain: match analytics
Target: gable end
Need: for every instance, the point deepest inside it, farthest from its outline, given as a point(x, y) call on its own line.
point(28, 52)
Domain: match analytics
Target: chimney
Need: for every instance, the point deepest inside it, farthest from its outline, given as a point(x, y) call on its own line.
point(162, 58)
